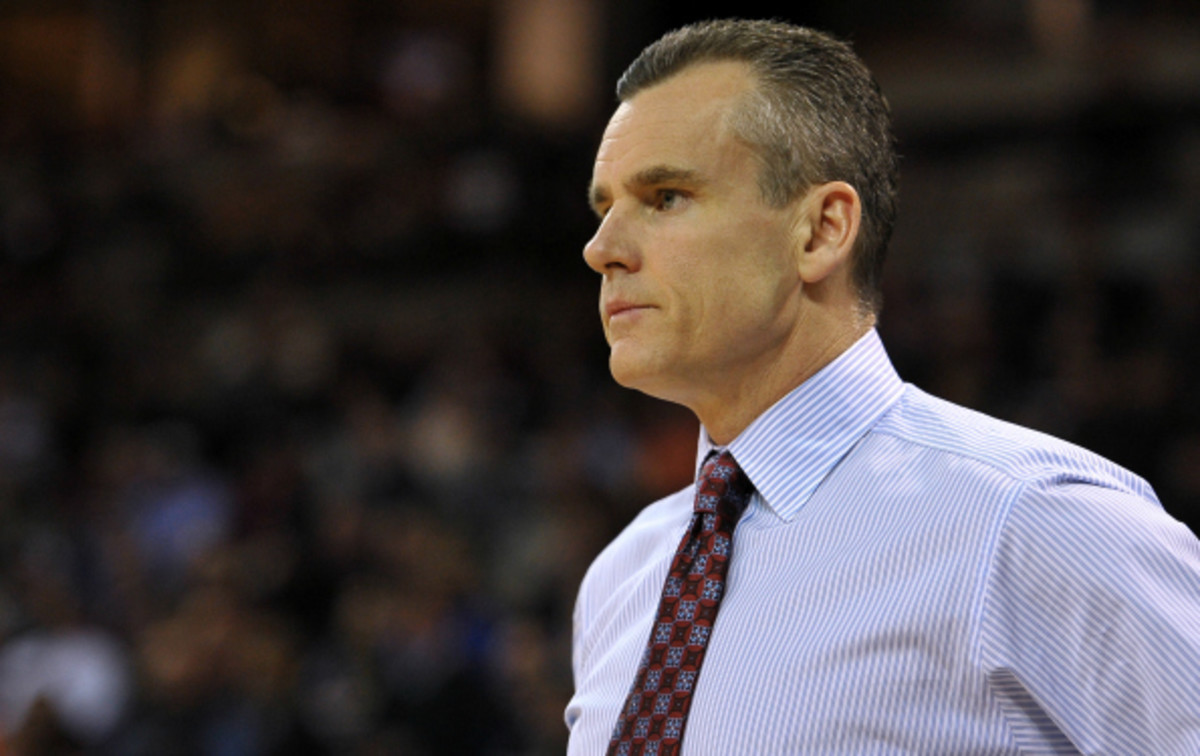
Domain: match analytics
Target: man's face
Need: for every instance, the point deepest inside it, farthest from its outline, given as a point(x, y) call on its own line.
point(699, 273)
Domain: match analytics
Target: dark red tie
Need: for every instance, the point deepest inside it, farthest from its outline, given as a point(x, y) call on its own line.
point(653, 718)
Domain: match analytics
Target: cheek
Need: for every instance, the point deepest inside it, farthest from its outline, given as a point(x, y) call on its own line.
point(724, 277)
point(752, 296)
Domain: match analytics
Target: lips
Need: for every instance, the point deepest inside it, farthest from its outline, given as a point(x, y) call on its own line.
point(617, 307)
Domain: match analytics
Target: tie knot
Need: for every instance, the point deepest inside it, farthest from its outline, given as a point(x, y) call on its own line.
point(723, 487)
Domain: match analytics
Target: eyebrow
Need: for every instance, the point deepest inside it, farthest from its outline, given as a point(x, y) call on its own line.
point(652, 176)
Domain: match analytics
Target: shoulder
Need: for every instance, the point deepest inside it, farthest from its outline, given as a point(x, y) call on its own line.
point(1027, 457)
point(1086, 584)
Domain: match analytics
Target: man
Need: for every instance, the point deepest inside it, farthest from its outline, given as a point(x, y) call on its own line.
point(893, 573)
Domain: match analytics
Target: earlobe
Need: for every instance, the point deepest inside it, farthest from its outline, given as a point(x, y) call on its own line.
point(828, 227)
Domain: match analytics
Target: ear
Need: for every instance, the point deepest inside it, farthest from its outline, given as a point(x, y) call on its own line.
point(830, 215)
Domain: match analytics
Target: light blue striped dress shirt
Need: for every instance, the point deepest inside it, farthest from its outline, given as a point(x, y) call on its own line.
point(914, 577)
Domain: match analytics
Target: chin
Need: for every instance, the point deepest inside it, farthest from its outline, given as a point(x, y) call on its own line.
point(629, 366)
point(625, 372)
point(639, 374)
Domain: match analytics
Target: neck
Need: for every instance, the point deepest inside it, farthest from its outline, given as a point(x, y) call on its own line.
point(728, 411)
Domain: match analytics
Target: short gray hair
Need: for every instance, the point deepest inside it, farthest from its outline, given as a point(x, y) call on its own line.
point(817, 115)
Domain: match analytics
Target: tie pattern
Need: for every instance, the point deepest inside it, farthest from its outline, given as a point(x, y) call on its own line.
point(655, 712)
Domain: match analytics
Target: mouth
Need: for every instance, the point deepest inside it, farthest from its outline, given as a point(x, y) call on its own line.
point(617, 308)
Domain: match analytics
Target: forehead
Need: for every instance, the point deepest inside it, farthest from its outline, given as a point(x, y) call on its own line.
point(681, 121)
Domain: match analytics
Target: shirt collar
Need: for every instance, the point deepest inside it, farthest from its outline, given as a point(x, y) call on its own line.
point(789, 449)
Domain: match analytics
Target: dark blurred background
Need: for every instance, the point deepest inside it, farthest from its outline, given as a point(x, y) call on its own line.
point(306, 430)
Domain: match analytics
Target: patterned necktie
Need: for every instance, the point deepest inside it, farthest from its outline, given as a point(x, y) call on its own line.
point(652, 720)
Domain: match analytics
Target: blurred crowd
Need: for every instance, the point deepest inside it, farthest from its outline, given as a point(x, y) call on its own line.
point(306, 432)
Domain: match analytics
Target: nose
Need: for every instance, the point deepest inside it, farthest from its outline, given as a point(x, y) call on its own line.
point(610, 248)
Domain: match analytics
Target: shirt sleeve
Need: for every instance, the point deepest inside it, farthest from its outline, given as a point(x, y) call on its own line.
point(1090, 623)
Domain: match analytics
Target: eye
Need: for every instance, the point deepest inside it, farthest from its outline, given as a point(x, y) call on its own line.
point(668, 199)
